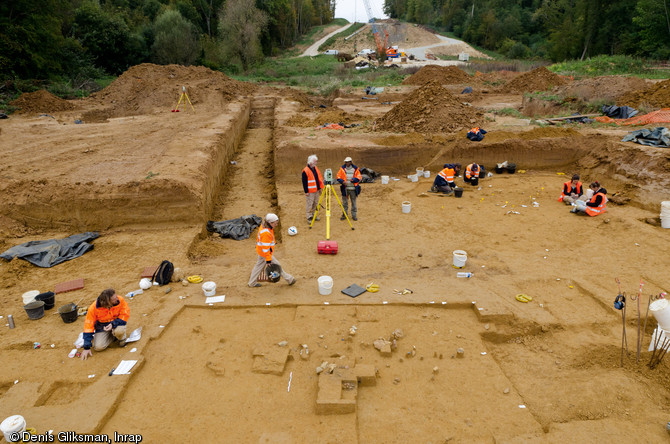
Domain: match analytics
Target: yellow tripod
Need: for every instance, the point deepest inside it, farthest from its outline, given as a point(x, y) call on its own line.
point(328, 192)
point(185, 98)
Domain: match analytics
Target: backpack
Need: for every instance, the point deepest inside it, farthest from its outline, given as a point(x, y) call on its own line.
point(163, 273)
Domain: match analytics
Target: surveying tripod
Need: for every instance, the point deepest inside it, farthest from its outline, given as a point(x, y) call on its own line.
point(183, 97)
point(327, 192)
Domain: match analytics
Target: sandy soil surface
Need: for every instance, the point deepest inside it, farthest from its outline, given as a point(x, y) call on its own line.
point(149, 179)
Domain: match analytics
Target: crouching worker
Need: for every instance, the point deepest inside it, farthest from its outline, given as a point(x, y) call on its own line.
point(596, 205)
point(572, 191)
point(265, 245)
point(473, 171)
point(444, 181)
point(106, 320)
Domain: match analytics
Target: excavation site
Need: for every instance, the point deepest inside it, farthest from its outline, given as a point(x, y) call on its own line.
point(527, 345)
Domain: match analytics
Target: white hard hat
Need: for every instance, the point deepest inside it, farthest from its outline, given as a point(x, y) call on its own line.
point(271, 217)
point(348, 159)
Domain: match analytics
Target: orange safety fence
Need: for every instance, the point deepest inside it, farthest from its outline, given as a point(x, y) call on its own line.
point(660, 116)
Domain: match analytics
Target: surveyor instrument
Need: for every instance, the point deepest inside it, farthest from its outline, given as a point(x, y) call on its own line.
point(328, 192)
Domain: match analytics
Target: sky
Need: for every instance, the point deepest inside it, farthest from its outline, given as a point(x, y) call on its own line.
point(354, 10)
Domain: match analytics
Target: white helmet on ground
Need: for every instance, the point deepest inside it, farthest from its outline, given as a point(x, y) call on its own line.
point(292, 231)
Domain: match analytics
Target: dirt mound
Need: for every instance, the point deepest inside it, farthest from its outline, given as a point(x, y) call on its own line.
point(145, 87)
point(40, 102)
point(539, 79)
point(445, 75)
point(601, 88)
point(305, 100)
point(429, 109)
point(332, 115)
point(534, 134)
point(656, 96)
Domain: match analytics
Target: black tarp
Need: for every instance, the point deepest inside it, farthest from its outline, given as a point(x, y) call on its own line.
point(656, 137)
point(237, 229)
point(368, 175)
point(619, 112)
point(47, 253)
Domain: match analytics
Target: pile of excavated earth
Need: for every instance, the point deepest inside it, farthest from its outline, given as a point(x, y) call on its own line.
point(527, 349)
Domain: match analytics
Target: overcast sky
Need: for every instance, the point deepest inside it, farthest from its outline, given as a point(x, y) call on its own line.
point(354, 10)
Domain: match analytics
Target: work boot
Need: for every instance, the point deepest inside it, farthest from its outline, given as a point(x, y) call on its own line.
point(257, 284)
point(433, 189)
point(293, 281)
point(354, 217)
point(122, 343)
point(343, 217)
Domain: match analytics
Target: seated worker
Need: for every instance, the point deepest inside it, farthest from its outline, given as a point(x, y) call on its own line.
point(444, 180)
point(473, 171)
point(105, 322)
point(596, 205)
point(572, 190)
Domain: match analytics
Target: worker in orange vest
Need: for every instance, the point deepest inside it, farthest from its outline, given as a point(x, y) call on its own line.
point(572, 191)
point(596, 205)
point(265, 245)
point(312, 183)
point(444, 180)
point(106, 320)
point(473, 171)
point(349, 177)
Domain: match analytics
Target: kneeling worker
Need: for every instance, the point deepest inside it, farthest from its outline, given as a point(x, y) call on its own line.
point(473, 171)
point(444, 180)
point(596, 205)
point(572, 191)
point(106, 320)
point(349, 178)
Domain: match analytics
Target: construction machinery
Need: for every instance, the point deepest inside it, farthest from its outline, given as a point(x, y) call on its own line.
point(381, 47)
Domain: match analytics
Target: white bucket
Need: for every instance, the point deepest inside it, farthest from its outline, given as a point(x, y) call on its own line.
point(325, 285)
point(385, 180)
point(419, 172)
point(460, 257)
point(414, 178)
point(209, 288)
point(660, 308)
point(29, 296)
point(406, 207)
point(426, 174)
point(11, 425)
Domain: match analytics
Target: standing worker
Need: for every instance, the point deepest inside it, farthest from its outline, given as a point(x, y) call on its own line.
point(444, 181)
point(596, 205)
point(312, 182)
point(349, 178)
point(572, 190)
point(106, 320)
point(265, 244)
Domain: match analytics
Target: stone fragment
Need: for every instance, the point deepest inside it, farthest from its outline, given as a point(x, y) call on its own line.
point(460, 353)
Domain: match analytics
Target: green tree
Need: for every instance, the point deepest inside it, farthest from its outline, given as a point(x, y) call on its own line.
point(240, 28)
point(175, 39)
point(652, 19)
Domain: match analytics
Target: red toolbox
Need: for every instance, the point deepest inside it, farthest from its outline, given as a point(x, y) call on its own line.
point(327, 247)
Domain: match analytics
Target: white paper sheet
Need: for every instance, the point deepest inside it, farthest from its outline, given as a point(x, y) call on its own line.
point(215, 299)
point(124, 367)
point(135, 335)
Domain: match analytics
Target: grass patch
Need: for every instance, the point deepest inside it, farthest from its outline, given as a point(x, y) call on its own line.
point(350, 30)
point(511, 112)
point(605, 65)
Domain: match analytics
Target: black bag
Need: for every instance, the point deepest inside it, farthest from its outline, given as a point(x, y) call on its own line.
point(163, 274)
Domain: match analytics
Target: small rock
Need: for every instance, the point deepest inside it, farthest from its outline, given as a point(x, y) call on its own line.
point(506, 391)
point(331, 368)
point(441, 356)
point(319, 369)
point(460, 353)
point(321, 336)
point(606, 221)
point(282, 343)
point(458, 336)
point(420, 255)
point(184, 283)
point(436, 369)
point(486, 326)
point(545, 329)
point(396, 381)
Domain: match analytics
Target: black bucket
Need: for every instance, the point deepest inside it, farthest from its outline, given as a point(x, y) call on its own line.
point(499, 169)
point(273, 272)
point(68, 313)
point(458, 192)
point(474, 181)
point(49, 299)
point(34, 309)
point(511, 168)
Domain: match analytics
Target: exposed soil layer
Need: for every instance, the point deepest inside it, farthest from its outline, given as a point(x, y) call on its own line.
point(655, 96)
point(430, 108)
point(604, 88)
point(41, 102)
point(330, 115)
point(444, 75)
point(539, 79)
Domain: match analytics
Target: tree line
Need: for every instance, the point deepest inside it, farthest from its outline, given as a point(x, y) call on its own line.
point(548, 29)
point(43, 39)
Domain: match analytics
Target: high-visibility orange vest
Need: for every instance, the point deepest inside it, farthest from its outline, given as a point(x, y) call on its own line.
point(265, 242)
point(567, 186)
point(105, 315)
point(475, 130)
point(342, 174)
point(447, 174)
point(600, 209)
point(470, 171)
point(311, 180)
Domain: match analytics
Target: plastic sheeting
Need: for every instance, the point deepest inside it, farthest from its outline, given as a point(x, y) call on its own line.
point(619, 112)
point(657, 137)
point(47, 253)
point(237, 229)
